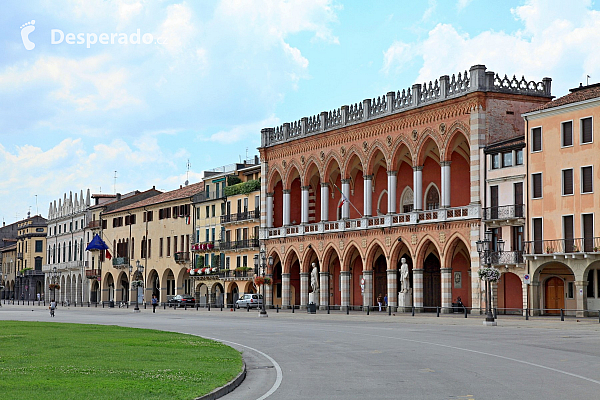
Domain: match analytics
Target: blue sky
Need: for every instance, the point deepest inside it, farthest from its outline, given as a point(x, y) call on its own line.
point(72, 115)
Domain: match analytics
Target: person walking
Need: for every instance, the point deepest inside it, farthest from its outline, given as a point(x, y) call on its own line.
point(52, 307)
point(154, 303)
point(379, 300)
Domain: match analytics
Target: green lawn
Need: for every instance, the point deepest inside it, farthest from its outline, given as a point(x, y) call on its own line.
point(42, 360)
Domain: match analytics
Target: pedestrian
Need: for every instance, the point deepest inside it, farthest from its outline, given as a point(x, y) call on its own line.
point(39, 296)
point(380, 300)
point(154, 303)
point(385, 300)
point(52, 307)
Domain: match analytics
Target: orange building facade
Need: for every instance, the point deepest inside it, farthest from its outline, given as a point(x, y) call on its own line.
point(353, 191)
point(563, 247)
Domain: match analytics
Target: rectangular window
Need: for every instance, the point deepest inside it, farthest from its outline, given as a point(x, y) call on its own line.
point(104, 225)
point(245, 261)
point(591, 292)
point(507, 159)
point(567, 133)
point(207, 237)
point(168, 246)
point(150, 216)
point(537, 235)
point(570, 290)
point(586, 180)
point(77, 224)
point(197, 212)
point(149, 248)
point(568, 233)
point(586, 130)
point(212, 237)
point(519, 157)
point(213, 207)
point(39, 246)
point(160, 247)
point(536, 139)
point(238, 262)
point(174, 244)
point(227, 262)
point(587, 222)
point(495, 161)
point(567, 182)
point(536, 183)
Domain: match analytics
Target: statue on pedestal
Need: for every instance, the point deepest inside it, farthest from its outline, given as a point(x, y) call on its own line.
point(314, 278)
point(404, 276)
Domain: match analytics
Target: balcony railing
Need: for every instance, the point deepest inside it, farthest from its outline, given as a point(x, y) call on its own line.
point(19, 256)
point(383, 221)
point(563, 246)
point(120, 261)
point(92, 273)
point(205, 246)
point(506, 257)
point(503, 212)
point(241, 216)
point(232, 274)
point(94, 224)
point(182, 257)
point(238, 244)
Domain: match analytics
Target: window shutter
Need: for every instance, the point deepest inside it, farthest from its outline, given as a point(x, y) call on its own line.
point(536, 134)
point(567, 133)
point(568, 181)
point(586, 180)
point(537, 186)
point(586, 130)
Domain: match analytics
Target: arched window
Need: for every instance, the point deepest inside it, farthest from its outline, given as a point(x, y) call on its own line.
point(70, 252)
point(406, 201)
point(75, 250)
point(432, 198)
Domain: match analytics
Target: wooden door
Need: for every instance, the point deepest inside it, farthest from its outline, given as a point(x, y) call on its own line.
point(432, 283)
point(555, 295)
point(494, 202)
point(519, 199)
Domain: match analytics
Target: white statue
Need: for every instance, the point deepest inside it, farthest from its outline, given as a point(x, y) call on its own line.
point(404, 275)
point(314, 278)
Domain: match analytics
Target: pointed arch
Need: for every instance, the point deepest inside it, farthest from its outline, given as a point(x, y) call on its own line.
point(376, 248)
point(292, 173)
point(377, 156)
point(275, 176)
point(313, 167)
point(428, 147)
point(431, 198)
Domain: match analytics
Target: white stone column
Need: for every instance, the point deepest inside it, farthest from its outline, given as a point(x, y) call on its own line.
point(368, 293)
point(304, 278)
point(392, 288)
point(418, 289)
point(445, 184)
point(324, 201)
point(446, 289)
point(581, 299)
point(304, 205)
point(286, 207)
point(323, 290)
point(368, 196)
point(269, 210)
point(346, 192)
point(418, 187)
point(391, 193)
point(345, 289)
point(285, 290)
point(268, 292)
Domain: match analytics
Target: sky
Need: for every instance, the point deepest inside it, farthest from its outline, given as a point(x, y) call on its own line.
point(141, 87)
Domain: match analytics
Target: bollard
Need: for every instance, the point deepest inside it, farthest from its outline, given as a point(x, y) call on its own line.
point(465, 311)
point(599, 316)
point(327, 308)
point(527, 314)
point(368, 310)
point(437, 311)
point(221, 306)
point(208, 306)
point(293, 309)
point(185, 307)
point(347, 310)
point(389, 310)
point(277, 308)
point(495, 313)
point(413, 311)
point(562, 315)
point(247, 307)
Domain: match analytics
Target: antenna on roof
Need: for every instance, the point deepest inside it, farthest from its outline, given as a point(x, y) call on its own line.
point(36, 206)
point(587, 80)
point(115, 184)
point(187, 177)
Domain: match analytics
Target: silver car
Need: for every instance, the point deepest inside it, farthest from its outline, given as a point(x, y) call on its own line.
point(249, 300)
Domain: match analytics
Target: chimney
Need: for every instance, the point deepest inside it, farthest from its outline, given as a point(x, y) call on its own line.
point(118, 196)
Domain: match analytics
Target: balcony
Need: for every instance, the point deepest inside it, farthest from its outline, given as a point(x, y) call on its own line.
point(229, 274)
point(507, 258)
point(205, 246)
point(384, 221)
point(504, 213)
point(93, 273)
point(19, 256)
point(182, 257)
point(241, 216)
point(567, 247)
point(94, 224)
point(239, 244)
point(120, 262)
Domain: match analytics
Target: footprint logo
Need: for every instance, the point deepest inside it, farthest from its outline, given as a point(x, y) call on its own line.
point(26, 29)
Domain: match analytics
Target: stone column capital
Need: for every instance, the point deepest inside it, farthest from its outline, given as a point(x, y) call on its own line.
point(418, 168)
point(286, 191)
point(304, 187)
point(270, 194)
point(326, 273)
point(324, 184)
point(368, 177)
point(367, 273)
point(304, 274)
point(346, 180)
point(345, 273)
point(285, 275)
point(445, 270)
point(392, 173)
point(445, 163)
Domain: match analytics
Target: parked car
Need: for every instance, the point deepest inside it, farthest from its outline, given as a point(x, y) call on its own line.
point(181, 300)
point(250, 299)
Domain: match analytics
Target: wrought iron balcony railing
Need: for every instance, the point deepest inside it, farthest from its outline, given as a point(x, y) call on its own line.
point(94, 224)
point(241, 216)
point(182, 257)
point(506, 257)
point(92, 273)
point(238, 244)
point(563, 246)
point(120, 261)
point(503, 212)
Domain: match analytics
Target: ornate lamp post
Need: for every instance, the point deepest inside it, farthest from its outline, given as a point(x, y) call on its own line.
point(54, 274)
point(137, 282)
point(485, 248)
point(260, 260)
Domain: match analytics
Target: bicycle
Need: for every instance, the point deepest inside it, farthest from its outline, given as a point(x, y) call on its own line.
point(52, 312)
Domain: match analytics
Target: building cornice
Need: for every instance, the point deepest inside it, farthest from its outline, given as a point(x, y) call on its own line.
point(581, 105)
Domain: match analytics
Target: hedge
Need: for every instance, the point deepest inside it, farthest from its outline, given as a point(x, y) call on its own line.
point(242, 188)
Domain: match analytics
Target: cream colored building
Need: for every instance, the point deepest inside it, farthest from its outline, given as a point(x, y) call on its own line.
point(9, 262)
point(31, 256)
point(563, 243)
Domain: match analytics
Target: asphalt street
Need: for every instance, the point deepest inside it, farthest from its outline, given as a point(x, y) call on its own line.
point(300, 356)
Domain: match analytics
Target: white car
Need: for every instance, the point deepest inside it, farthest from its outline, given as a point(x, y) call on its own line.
point(250, 299)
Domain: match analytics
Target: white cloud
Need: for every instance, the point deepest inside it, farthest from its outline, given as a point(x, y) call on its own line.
point(552, 43)
point(241, 132)
point(462, 4)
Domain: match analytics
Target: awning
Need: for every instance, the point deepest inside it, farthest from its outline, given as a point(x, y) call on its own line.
point(97, 244)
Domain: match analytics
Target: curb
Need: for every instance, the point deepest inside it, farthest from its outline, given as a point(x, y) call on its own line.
point(229, 387)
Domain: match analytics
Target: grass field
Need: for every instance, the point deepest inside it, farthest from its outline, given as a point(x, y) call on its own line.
point(41, 360)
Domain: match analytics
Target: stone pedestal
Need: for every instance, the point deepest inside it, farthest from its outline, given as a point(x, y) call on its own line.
point(405, 302)
point(313, 302)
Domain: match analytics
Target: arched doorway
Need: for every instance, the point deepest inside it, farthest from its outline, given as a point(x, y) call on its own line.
point(94, 292)
point(295, 284)
point(217, 294)
point(234, 293)
point(379, 278)
point(432, 283)
point(276, 286)
point(510, 294)
point(201, 294)
point(554, 295)
point(409, 262)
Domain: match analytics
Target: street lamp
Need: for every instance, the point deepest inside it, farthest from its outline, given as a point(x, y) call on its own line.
point(486, 249)
point(137, 282)
point(54, 274)
point(260, 260)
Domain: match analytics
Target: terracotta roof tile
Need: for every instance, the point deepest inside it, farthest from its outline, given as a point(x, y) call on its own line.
point(578, 94)
point(181, 193)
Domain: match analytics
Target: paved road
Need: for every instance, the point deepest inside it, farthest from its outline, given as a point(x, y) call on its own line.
point(299, 356)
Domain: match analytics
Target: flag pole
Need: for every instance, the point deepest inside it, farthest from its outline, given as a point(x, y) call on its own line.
point(344, 197)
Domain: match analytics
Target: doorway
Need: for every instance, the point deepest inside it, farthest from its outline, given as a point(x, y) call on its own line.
point(555, 295)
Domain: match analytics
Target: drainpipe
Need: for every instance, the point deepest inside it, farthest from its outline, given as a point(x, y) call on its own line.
point(526, 186)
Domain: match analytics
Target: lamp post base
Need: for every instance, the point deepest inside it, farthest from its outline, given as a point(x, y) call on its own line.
point(490, 323)
point(263, 314)
point(135, 310)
